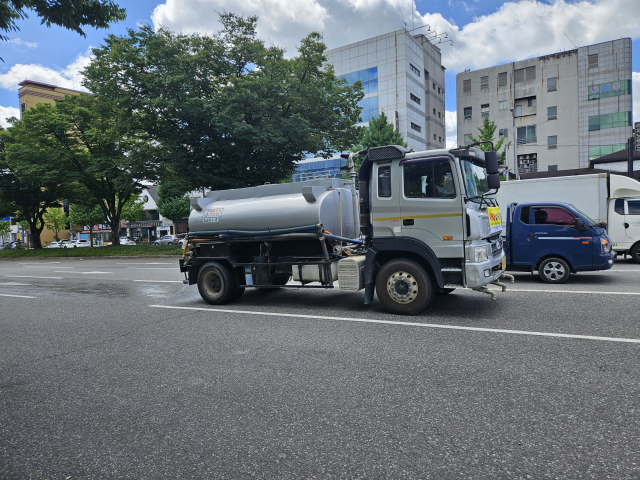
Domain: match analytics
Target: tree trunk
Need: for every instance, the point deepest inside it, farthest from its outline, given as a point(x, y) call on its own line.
point(90, 236)
point(115, 231)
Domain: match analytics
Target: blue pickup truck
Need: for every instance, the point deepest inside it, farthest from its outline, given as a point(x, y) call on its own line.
point(556, 239)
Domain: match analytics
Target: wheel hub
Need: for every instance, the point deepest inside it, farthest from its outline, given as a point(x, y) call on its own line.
point(402, 287)
point(553, 271)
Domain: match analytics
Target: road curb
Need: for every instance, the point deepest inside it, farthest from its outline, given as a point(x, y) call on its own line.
point(110, 257)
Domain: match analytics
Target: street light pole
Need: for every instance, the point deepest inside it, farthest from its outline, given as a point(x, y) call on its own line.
point(515, 143)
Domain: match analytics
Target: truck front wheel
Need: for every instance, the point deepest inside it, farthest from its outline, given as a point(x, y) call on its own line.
point(635, 253)
point(554, 270)
point(217, 284)
point(404, 287)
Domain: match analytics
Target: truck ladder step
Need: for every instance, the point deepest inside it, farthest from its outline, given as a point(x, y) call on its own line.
point(453, 285)
point(450, 269)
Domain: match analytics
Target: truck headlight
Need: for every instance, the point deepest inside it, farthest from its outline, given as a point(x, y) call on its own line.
point(480, 254)
point(605, 244)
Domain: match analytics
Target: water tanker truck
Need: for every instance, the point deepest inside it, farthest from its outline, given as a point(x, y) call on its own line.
point(423, 223)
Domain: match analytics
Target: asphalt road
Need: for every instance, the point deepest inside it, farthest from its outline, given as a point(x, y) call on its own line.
point(114, 369)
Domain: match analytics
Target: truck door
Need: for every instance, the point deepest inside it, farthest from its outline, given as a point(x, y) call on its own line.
point(431, 205)
point(632, 219)
point(521, 250)
point(617, 225)
point(553, 232)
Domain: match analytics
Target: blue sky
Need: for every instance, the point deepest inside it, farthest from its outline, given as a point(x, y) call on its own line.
point(485, 33)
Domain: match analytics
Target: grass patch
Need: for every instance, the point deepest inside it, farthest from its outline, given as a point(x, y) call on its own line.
point(108, 251)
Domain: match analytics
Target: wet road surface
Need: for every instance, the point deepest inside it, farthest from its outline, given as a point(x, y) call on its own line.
point(115, 369)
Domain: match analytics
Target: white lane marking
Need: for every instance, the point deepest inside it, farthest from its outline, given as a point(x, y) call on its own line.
point(37, 263)
point(145, 263)
point(159, 281)
point(154, 268)
point(17, 296)
point(587, 292)
point(40, 266)
point(31, 276)
point(13, 284)
point(90, 273)
point(411, 324)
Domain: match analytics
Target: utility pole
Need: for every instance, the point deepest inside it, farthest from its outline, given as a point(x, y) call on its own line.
point(515, 143)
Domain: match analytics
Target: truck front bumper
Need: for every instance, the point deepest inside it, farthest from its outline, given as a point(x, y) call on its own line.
point(483, 273)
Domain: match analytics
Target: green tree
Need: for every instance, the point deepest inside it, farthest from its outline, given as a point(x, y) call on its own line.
point(86, 215)
point(225, 111)
point(173, 202)
point(486, 132)
point(5, 228)
point(55, 220)
point(30, 183)
point(379, 134)
point(87, 137)
point(70, 14)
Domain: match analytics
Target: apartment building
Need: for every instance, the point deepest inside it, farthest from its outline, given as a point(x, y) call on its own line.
point(565, 109)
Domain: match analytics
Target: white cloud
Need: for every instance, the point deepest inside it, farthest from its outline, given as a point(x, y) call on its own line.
point(451, 122)
point(23, 43)
point(516, 30)
point(8, 112)
point(635, 87)
point(68, 77)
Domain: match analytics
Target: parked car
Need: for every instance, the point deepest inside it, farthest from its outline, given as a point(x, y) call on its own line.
point(63, 242)
point(167, 240)
point(126, 241)
point(14, 245)
point(77, 244)
point(54, 245)
point(182, 242)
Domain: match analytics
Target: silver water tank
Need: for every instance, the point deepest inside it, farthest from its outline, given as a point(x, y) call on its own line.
point(332, 202)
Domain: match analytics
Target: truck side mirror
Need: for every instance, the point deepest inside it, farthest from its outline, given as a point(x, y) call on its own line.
point(493, 181)
point(579, 225)
point(491, 162)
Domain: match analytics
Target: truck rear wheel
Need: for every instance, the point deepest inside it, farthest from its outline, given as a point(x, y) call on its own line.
point(404, 287)
point(217, 284)
point(635, 253)
point(554, 270)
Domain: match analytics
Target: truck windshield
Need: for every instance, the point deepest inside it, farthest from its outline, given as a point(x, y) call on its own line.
point(475, 179)
point(591, 222)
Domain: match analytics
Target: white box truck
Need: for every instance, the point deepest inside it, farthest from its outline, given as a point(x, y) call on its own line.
point(610, 199)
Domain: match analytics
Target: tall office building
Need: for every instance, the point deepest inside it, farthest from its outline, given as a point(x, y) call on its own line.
point(402, 75)
point(567, 108)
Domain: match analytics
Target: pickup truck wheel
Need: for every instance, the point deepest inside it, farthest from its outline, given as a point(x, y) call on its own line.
point(217, 284)
point(554, 270)
point(404, 287)
point(635, 253)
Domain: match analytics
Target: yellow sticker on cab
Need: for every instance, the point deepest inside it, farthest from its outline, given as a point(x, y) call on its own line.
point(495, 218)
point(504, 263)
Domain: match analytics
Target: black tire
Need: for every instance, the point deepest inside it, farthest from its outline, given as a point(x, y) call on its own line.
point(635, 253)
point(444, 291)
point(217, 284)
point(554, 270)
point(403, 287)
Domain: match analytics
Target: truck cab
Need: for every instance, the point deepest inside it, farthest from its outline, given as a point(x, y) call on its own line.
point(556, 239)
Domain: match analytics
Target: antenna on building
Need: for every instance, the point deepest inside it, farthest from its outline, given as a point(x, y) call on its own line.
point(570, 40)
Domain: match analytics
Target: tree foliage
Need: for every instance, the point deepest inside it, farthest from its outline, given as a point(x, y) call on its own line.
point(30, 183)
point(87, 137)
point(225, 111)
point(5, 228)
point(55, 220)
point(132, 210)
point(173, 202)
point(86, 215)
point(70, 14)
point(486, 132)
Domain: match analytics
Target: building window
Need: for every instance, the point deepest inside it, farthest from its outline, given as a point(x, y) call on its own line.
point(414, 70)
point(502, 79)
point(434, 136)
point(23, 107)
point(610, 120)
point(528, 163)
point(414, 98)
point(434, 111)
point(552, 168)
point(531, 102)
point(384, 182)
point(503, 132)
point(592, 61)
point(552, 84)
point(484, 110)
point(525, 74)
point(484, 82)
point(552, 142)
point(368, 77)
point(434, 85)
point(439, 116)
point(416, 127)
point(426, 74)
point(552, 113)
point(440, 139)
point(602, 150)
point(467, 138)
point(466, 86)
point(467, 113)
point(526, 135)
point(369, 108)
point(611, 89)
point(438, 89)
point(503, 105)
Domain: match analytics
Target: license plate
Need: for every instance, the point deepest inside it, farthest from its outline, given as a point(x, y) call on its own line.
point(504, 263)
